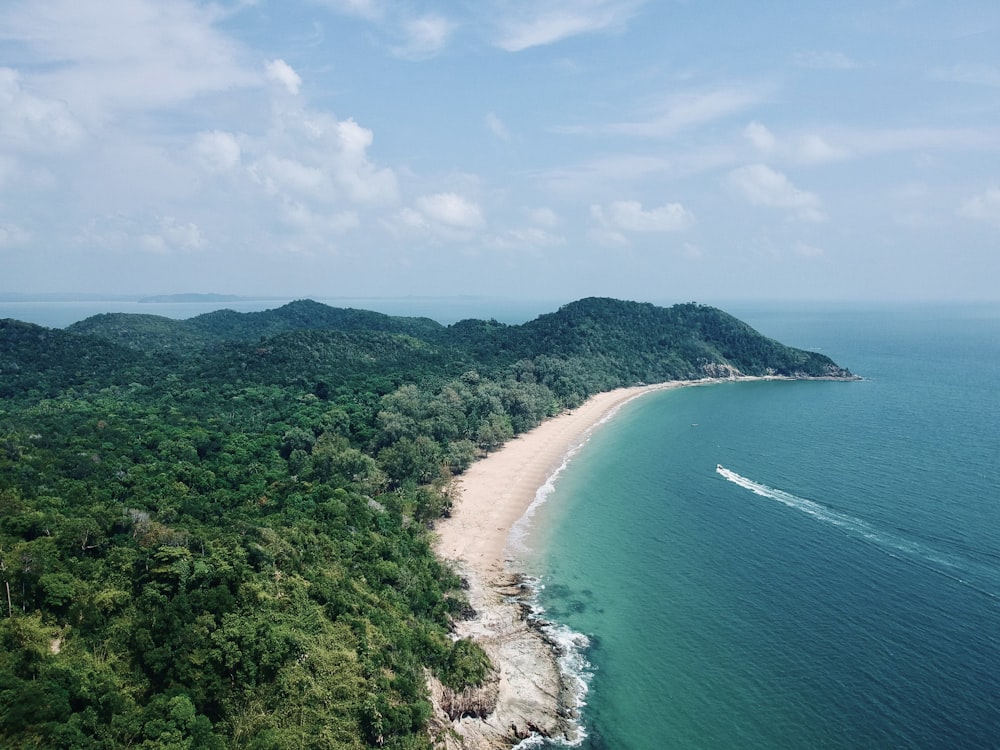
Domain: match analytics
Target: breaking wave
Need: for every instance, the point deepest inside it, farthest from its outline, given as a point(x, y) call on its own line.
point(570, 648)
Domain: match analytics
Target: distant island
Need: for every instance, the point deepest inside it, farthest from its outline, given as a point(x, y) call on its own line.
point(192, 297)
point(219, 532)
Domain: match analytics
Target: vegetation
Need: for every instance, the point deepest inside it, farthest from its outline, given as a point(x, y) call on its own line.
point(216, 533)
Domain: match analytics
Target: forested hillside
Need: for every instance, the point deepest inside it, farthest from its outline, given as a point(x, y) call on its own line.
point(216, 533)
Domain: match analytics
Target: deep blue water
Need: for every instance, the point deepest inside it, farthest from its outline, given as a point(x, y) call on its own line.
point(835, 585)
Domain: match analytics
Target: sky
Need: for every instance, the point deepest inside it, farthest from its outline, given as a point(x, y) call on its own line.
point(643, 149)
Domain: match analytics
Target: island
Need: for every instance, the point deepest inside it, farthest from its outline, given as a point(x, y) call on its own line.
point(282, 529)
point(192, 297)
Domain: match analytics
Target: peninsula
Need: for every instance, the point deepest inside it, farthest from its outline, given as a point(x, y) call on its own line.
point(274, 529)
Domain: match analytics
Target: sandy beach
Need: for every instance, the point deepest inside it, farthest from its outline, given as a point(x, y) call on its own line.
point(527, 695)
point(497, 490)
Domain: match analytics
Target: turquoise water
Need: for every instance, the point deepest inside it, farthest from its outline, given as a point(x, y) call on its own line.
point(835, 584)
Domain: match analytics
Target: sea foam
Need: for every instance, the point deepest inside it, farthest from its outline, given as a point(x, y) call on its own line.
point(571, 649)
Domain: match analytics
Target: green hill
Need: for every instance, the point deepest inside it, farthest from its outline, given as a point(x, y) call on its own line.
point(640, 341)
point(154, 332)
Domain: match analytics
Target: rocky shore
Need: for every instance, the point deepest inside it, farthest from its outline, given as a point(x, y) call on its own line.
point(526, 694)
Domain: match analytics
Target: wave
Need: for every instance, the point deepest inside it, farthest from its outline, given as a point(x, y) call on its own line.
point(908, 550)
point(571, 649)
point(517, 537)
point(517, 544)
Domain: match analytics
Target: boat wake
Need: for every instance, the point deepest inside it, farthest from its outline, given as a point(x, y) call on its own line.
point(907, 550)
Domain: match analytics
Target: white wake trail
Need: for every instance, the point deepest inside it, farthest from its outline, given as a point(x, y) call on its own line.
point(912, 551)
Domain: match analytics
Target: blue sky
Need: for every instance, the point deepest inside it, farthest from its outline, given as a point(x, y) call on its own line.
point(552, 149)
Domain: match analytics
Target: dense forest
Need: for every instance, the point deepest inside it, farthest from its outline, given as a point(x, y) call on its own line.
point(217, 532)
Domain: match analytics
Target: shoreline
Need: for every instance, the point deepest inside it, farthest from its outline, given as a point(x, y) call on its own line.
point(527, 695)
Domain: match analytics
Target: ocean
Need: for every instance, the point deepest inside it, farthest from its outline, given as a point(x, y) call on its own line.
point(791, 564)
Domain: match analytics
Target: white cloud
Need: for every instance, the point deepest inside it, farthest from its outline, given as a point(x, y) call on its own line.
point(172, 235)
point(630, 216)
point(31, 121)
point(681, 112)
point(449, 216)
point(543, 217)
point(806, 250)
point(451, 209)
point(813, 149)
point(153, 243)
point(125, 54)
point(690, 250)
point(424, 36)
point(186, 236)
point(497, 127)
point(368, 9)
point(316, 225)
point(363, 181)
point(11, 234)
point(762, 138)
point(809, 148)
point(283, 175)
point(412, 218)
point(114, 232)
point(314, 157)
point(532, 23)
point(603, 235)
point(865, 142)
point(825, 60)
point(526, 238)
point(407, 35)
point(217, 151)
point(762, 186)
point(984, 207)
point(281, 72)
point(980, 75)
point(305, 176)
point(630, 168)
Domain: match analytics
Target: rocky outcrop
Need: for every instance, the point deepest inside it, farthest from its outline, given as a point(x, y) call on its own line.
point(473, 702)
point(525, 695)
point(720, 370)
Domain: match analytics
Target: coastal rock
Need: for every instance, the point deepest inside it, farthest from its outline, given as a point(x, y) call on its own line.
point(720, 370)
point(524, 696)
point(473, 702)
